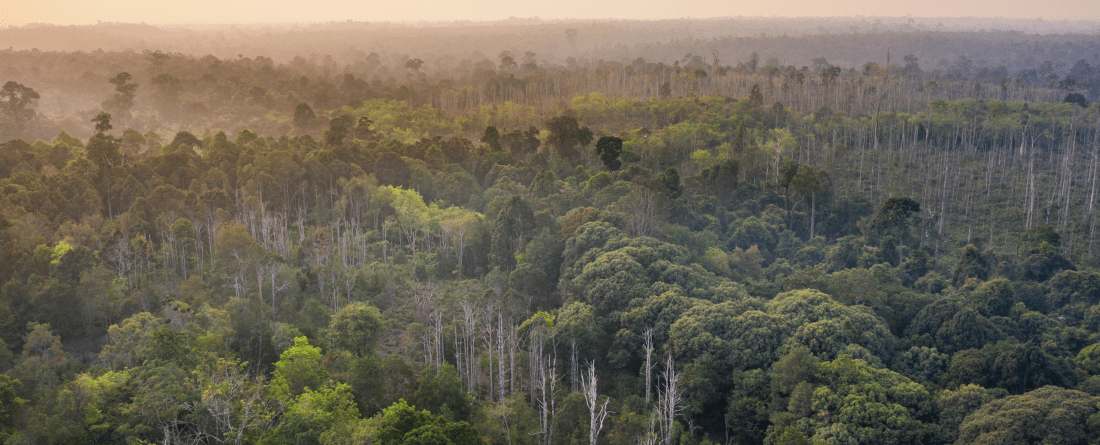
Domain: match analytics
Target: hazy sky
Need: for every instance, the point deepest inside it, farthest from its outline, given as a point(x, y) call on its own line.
point(68, 12)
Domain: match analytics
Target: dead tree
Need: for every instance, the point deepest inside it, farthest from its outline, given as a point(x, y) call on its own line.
point(596, 412)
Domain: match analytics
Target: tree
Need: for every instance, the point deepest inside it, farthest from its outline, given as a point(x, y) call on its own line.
point(565, 134)
point(356, 327)
point(670, 395)
point(122, 100)
point(10, 403)
point(512, 226)
point(521, 143)
point(721, 180)
point(402, 424)
point(608, 149)
point(670, 180)
point(234, 404)
point(339, 128)
point(442, 392)
point(809, 182)
point(972, 264)
point(1076, 98)
point(17, 101)
point(299, 368)
point(237, 254)
point(1045, 415)
point(596, 412)
point(102, 123)
point(315, 412)
point(492, 137)
point(894, 216)
point(858, 403)
point(646, 211)
point(507, 61)
point(303, 116)
point(414, 64)
point(756, 98)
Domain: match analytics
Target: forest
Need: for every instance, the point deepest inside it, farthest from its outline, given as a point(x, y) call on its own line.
point(726, 240)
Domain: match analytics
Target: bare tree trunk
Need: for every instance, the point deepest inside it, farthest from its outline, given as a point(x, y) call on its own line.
point(596, 412)
point(668, 402)
point(648, 361)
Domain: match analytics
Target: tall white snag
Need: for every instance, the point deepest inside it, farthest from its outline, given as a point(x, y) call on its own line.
point(596, 415)
point(648, 361)
point(669, 397)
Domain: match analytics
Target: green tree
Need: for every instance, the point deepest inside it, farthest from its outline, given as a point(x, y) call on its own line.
point(1046, 415)
point(402, 424)
point(955, 405)
point(858, 403)
point(492, 137)
point(10, 403)
point(608, 148)
point(303, 116)
point(894, 216)
point(313, 413)
point(993, 298)
point(442, 392)
point(299, 368)
point(670, 180)
point(511, 227)
point(356, 327)
point(972, 264)
point(565, 134)
point(339, 128)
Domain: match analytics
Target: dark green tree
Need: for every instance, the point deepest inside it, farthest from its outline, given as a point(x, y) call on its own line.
point(303, 116)
point(608, 148)
point(492, 137)
point(894, 216)
point(1045, 415)
point(566, 134)
point(102, 123)
point(972, 264)
point(511, 228)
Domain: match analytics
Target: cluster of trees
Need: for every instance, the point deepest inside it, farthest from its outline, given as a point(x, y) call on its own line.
point(668, 268)
point(167, 92)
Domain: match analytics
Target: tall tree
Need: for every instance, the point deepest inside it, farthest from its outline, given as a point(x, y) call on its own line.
point(609, 148)
point(894, 215)
point(511, 227)
point(122, 100)
point(565, 134)
point(596, 412)
point(17, 102)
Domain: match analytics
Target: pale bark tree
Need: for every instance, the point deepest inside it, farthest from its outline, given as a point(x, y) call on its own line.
point(596, 412)
point(645, 211)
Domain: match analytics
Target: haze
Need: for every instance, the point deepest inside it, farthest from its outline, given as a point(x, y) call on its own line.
point(76, 12)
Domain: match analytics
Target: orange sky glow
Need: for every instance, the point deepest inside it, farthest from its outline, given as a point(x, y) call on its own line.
point(76, 12)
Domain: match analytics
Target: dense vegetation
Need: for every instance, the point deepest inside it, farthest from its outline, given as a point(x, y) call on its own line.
point(636, 253)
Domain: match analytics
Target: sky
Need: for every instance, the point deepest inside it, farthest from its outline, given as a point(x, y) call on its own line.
point(77, 12)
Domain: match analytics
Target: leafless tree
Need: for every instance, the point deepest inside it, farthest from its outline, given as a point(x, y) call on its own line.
point(547, 395)
point(648, 345)
point(669, 397)
point(596, 411)
point(645, 211)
